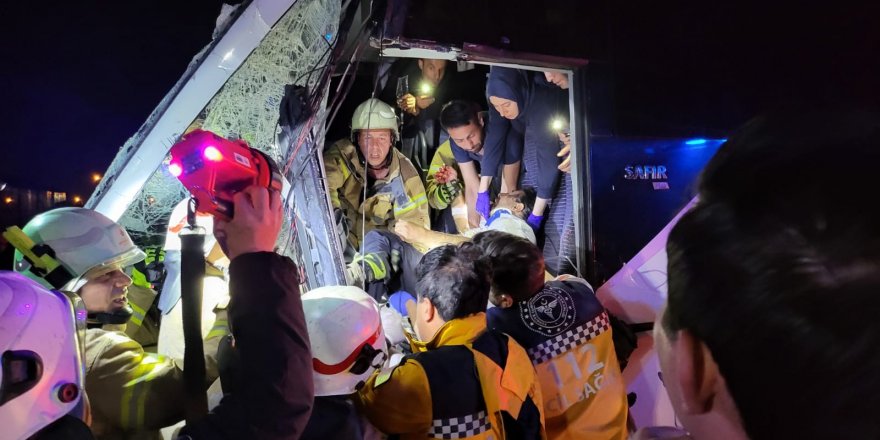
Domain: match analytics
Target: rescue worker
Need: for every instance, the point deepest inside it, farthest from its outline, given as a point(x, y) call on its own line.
point(390, 259)
point(560, 80)
point(464, 381)
point(462, 155)
point(418, 88)
point(371, 183)
point(348, 344)
point(530, 108)
point(269, 391)
point(567, 335)
point(215, 293)
point(132, 393)
point(143, 325)
point(446, 193)
point(42, 386)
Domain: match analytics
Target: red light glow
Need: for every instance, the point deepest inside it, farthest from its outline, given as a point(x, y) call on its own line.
point(213, 154)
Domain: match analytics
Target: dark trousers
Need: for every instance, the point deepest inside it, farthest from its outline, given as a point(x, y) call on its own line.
point(382, 244)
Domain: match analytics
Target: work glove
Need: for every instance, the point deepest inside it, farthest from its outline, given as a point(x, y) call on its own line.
point(535, 221)
point(398, 301)
point(394, 259)
point(449, 190)
point(483, 204)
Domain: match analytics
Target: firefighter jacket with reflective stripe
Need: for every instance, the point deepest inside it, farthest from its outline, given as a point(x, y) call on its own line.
point(133, 393)
point(441, 195)
point(143, 326)
point(466, 383)
point(567, 335)
point(400, 195)
point(215, 296)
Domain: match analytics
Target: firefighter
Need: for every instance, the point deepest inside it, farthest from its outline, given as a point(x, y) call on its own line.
point(267, 382)
point(463, 381)
point(215, 293)
point(394, 189)
point(567, 335)
point(445, 191)
point(132, 393)
point(42, 380)
point(215, 290)
point(348, 344)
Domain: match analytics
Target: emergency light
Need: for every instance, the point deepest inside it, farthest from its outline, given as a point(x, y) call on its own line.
point(213, 169)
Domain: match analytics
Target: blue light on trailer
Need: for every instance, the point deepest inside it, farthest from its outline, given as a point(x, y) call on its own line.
point(697, 141)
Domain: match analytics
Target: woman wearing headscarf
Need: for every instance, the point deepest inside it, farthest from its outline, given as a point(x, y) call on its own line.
point(530, 108)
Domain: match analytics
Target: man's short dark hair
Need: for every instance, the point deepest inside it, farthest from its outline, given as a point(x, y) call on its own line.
point(777, 270)
point(458, 113)
point(455, 279)
point(528, 197)
point(517, 264)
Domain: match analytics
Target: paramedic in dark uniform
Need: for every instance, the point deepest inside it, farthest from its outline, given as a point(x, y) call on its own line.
point(566, 333)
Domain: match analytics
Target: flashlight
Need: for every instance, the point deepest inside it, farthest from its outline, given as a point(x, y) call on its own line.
point(559, 125)
point(425, 88)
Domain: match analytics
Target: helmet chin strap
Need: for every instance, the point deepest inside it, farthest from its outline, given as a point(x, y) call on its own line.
point(118, 317)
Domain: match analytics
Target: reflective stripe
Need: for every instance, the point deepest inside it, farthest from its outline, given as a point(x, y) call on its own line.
point(149, 366)
point(137, 315)
point(420, 200)
point(220, 328)
point(343, 168)
point(561, 343)
point(460, 427)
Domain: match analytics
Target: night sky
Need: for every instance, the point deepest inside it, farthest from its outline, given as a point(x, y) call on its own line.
point(81, 77)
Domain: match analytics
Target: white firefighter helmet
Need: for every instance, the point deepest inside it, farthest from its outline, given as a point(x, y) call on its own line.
point(346, 336)
point(177, 221)
point(374, 114)
point(83, 241)
point(42, 369)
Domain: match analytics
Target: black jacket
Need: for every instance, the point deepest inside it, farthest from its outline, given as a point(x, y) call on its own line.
point(271, 386)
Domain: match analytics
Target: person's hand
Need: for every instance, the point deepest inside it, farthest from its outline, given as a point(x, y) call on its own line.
point(483, 204)
point(255, 224)
point(445, 174)
point(408, 104)
point(565, 166)
point(424, 102)
point(398, 301)
point(535, 221)
point(408, 231)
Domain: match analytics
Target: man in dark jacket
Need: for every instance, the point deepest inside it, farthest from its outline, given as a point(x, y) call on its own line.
point(269, 394)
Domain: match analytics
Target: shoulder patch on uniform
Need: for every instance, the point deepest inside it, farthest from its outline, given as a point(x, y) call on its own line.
point(550, 312)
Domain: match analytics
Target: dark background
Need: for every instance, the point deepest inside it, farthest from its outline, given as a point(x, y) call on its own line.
point(81, 77)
